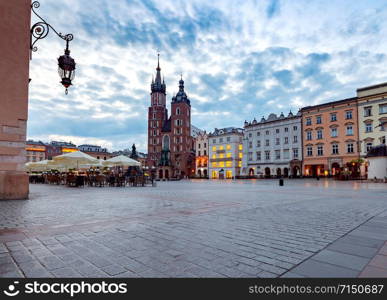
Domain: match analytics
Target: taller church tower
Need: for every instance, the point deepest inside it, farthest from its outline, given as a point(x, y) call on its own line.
point(157, 116)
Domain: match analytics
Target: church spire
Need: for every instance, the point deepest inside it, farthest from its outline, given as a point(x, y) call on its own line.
point(158, 69)
point(158, 85)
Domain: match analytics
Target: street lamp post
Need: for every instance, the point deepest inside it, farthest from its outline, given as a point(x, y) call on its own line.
point(66, 64)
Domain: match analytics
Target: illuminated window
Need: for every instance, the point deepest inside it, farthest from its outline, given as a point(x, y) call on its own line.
point(228, 164)
point(228, 147)
point(240, 147)
point(214, 156)
point(240, 155)
point(221, 164)
point(228, 174)
point(221, 155)
point(214, 164)
point(214, 148)
point(221, 148)
point(228, 154)
point(240, 164)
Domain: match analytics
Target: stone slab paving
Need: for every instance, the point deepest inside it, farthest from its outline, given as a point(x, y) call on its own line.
point(251, 228)
point(360, 253)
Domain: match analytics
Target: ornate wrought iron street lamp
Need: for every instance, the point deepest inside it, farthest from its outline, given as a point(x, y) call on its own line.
point(66, 64)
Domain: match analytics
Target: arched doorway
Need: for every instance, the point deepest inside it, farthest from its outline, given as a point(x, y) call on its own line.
point(267, 172)
point(221, 174)
point(200, 173)
point(296, 171)
point(278, 172)
point(166, 174)
point(205, 173)
point(335, 169)
point(286, 172)
point(160, 174)
point(251, 172)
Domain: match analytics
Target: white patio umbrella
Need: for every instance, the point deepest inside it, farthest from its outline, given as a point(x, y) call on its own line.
point(93, 165)
point(74, 159)
point(121, 160)
point(43, 165)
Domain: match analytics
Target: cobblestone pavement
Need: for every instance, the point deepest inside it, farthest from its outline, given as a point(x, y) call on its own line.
point(180, 229)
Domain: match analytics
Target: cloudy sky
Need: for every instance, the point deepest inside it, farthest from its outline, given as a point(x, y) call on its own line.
point(239, 59)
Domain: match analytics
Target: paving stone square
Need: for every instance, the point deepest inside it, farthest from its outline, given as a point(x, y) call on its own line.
point(196, 228)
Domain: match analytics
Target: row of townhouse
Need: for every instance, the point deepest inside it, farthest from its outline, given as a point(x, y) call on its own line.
point(320, 140)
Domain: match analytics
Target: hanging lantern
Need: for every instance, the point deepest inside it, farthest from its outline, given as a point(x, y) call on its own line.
point(66, 68)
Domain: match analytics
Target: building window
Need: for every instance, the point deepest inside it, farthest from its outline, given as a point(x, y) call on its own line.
point(368, 111)
point(228, 139)
point(214, 141)
point(214, 156)
point(205, 152)
point(205, 145)
point(178, 111)
point(368, 147)
point(250, 156)
point(240, 155)
point(267, 132)
point(250, 144)
point(199, 146)
point(258, 143)
point(368, 127)
point(335, 149)
point(267, 155)
point(308, 121)
point(383, 108)
point(277, 154)
point(221, 140)
point(318, 120)
point(295, 139)
point(309, 151)
point(277, 141)
point(240, 147)
point(258, 155)
point(309, 135)
point(277, 131)
point(348, 114)
point(319, 134)
point(350, 148)
point(320, 150)
point(295, 128)
point(349, 130)
point(228, 164)
point(286, 140)
point(228, 147)
point(228, 155)
point(267, 143)
point(295, 153)
point(214, 164)
point(334, 132)
point(258, 133)
point(286, 154)
point(221, 155)
point(221, 147)
point(213, 148)
point(286, 129)
point(333, 117)
point(250, 135)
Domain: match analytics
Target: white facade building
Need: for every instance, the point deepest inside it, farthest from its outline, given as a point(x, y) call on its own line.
point(225, 152)
point(273, 146)
point(201, 151)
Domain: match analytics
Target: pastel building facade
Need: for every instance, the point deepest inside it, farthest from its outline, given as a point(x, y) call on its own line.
point(330, 137)
point(201, 148)
point(372, 115)
point(225, 153)
point(273, 146)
